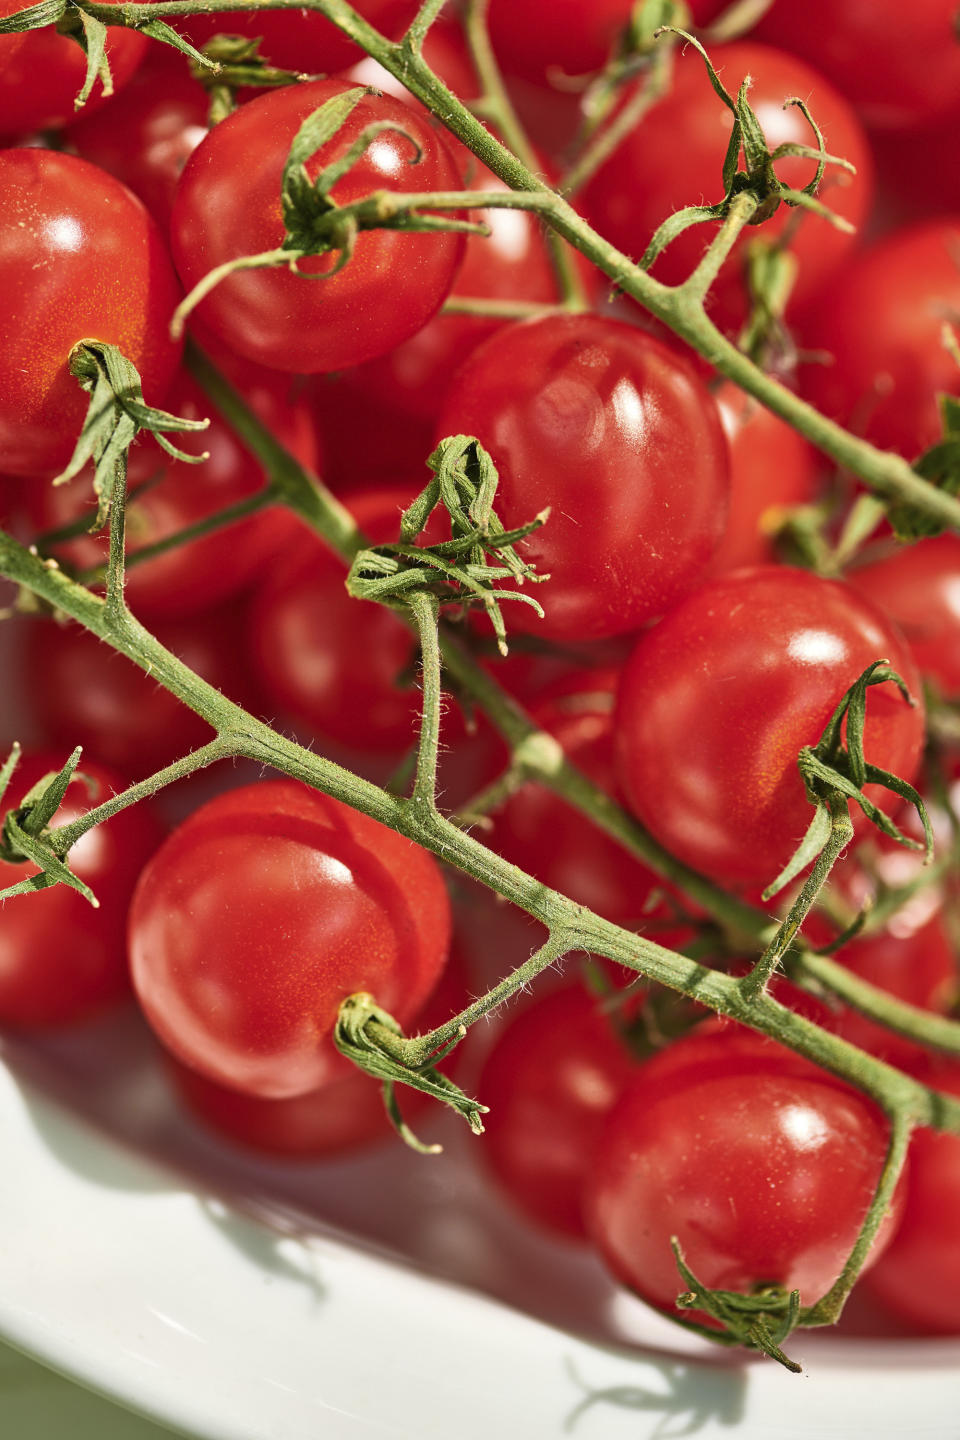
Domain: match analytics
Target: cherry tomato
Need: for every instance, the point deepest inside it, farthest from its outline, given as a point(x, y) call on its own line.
point(43, 72)
point(81, 259)
point(552, 1077)
point(772, 468)
point(167, 495)
point(82, 692)
point(10, 44)
point(149, 131)
point(621, 439)
point(301, 40)
point(675, 158)
point(313, 644)
point(60, 959)
point(227, 206)
point(918, 586)
point(261, 913)
point(918, 1279)
point(569, 36)
point(347, 1112)
point(760, 1164)
point(719, 698)
point(881, 325)
point(899, 65)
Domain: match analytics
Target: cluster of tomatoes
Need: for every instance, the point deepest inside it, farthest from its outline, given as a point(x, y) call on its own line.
point(678, 661)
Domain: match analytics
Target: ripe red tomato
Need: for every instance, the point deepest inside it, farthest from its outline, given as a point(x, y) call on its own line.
point(82, 692)
point(918, 586)
point(60, 959)
point(881, 325)
point(300, 40)
point(312, 644)
point(81, 259)
point(228, 205)
point(918, 1278)
point(675, 158)
point(621, 438)
point(550, 1080)
point(898, 64)
point(760, 1164)
point(167, 495)
point(261, 913)
point(347, 1112)
point(772, 468)
point(569, 36)
point(149, 131)
point(43, 72)
point(719, 698)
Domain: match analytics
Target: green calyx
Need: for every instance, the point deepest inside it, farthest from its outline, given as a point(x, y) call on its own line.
point(24, 832)
point(759, 1321)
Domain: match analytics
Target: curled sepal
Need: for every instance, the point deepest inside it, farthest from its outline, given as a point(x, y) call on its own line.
point(759, 175)
point(761, 1321)
point(91, 35)
point(458, 570)
point(116, 413)
point(356, 1036)
point(34, 17)
point(24, 834)
point(226, 64)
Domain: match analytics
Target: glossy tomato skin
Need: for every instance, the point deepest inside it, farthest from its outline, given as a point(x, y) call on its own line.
point(149, 131)
point(62, 961)
point(312, 644)
point(43, 72)
point(393, 283)
point(881, 324)
point(569, 36)
point(346, 1113)
point(719, 698)
point(261, 913)
point(898, 64)
point(918, 1278)
point(81, 260)
point(550, 1081)
point(918, 586)
point(621, 438)
point(675, 158)
point(760, 1164)
point(772, 469)
point(167, 495)
point(82, 692)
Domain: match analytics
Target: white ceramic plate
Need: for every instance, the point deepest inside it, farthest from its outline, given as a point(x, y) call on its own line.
point(385, 1296)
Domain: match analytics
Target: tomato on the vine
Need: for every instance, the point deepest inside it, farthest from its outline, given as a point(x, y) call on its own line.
point(61, 960)
point(80, 259)
point(761, 1165)
point(719, 698)
point(918, 586)
point(261, 913)
point(620, 439)
point(228, 205)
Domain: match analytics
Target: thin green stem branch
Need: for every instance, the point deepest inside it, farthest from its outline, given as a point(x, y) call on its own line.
point(742, 210)
point(116, 559)
point(606, 139)
point(420, 25)
point(426, 614)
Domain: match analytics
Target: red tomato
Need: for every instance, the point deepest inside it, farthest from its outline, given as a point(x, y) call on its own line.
point(569, 36)
point(81, 259)
point(719, 698)
point(772, 468)
point(552, 1077)
point(43, 72)
point(918, 586)
point(300, 40)
point(149, 131)
point(167, 495)
point(918, 1279)
point(536, 830)
point(881, 325)
point(82, 692)
point(60, 959)
point(347, 1112)
point(760, 1164)
point(313, 644)
point(898, 64)
point(675, 158)
point(228, 204)
point(10, 44)
point(621, 438)
point(261, 913)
